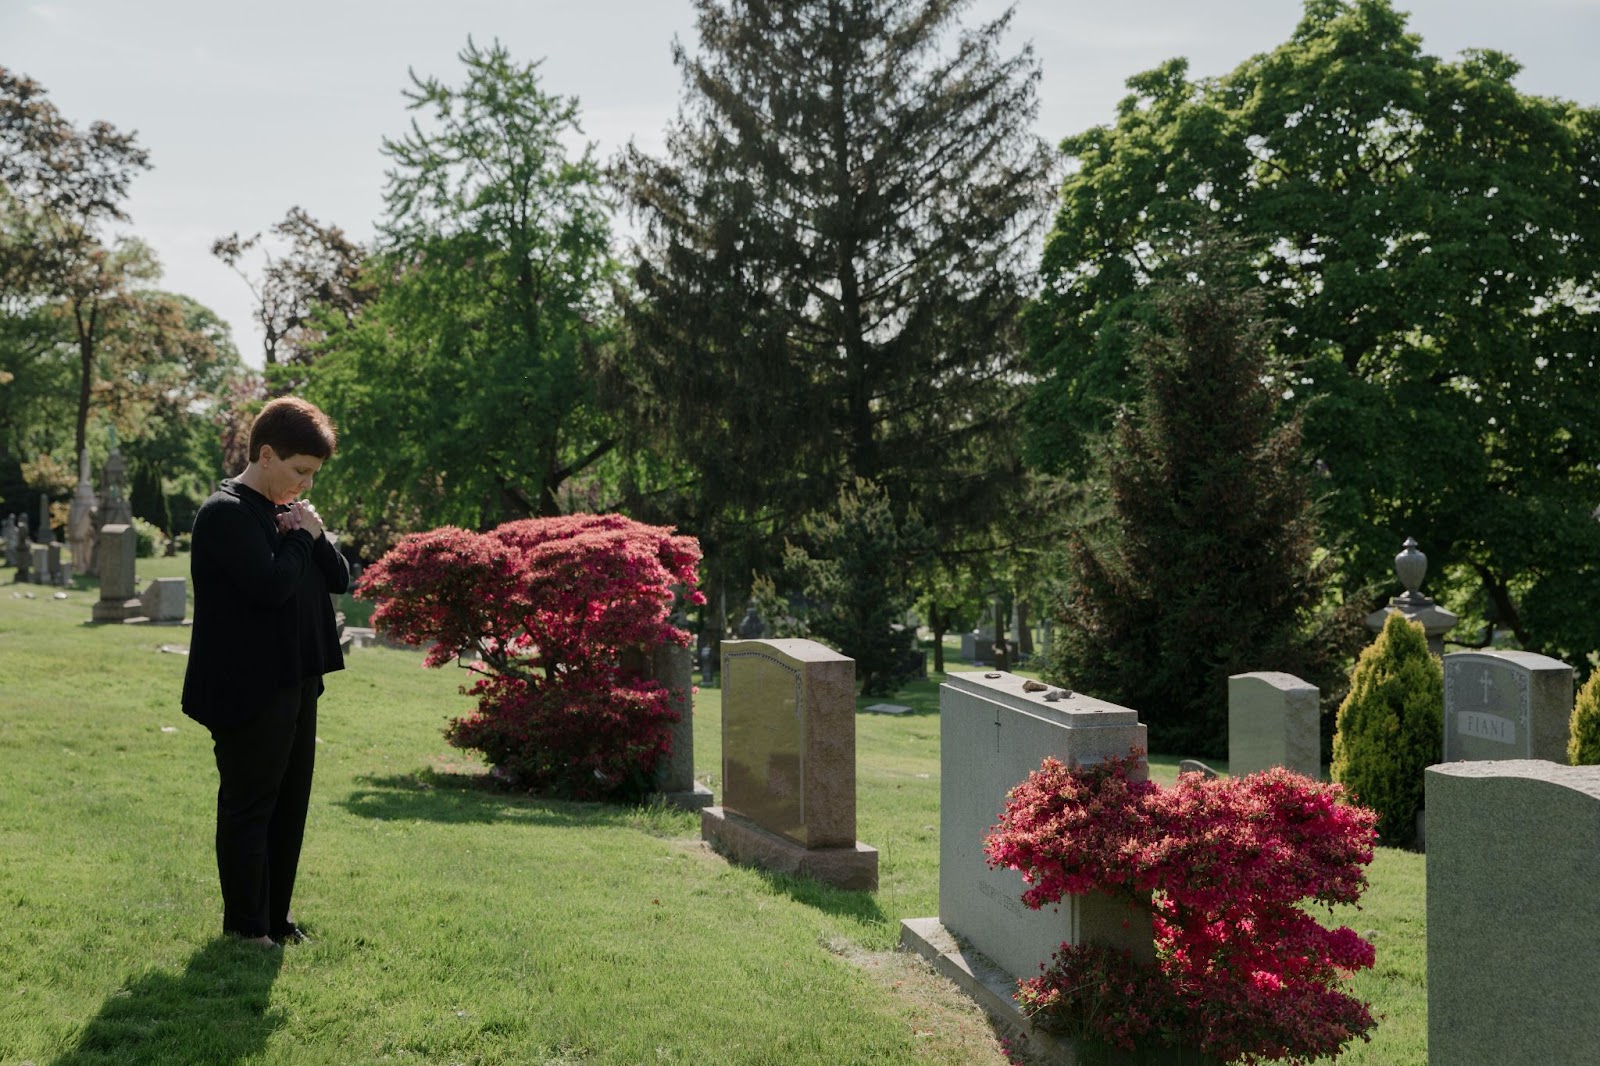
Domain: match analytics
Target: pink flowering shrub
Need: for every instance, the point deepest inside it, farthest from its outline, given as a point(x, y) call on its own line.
point(549, 607)
point(1243, 971)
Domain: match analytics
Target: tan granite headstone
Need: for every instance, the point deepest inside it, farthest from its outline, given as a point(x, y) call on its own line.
point(789, 761)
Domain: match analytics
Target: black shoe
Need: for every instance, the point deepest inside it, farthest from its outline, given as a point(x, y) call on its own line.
point(291, 934)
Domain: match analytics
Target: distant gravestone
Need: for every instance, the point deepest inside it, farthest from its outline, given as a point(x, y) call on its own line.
point(46, 534)
point(978, 645)
point(994, 732)
point(1513, 898)
point(1273, 720)
point(1506, 705)
point(673, 666)
point(789, 763)
point(9, 532)
point(164, 600)
point(39, 563)
point(116, 552)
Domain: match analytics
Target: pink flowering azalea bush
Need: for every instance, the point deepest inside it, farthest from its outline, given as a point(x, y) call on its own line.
point(548, 610)
point(1243, 972)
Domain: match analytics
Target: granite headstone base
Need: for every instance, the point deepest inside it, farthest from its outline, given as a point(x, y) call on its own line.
point(128, 610)
point(744, 842)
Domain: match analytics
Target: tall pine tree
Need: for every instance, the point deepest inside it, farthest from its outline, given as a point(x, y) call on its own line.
point(1205, 563)
point(833, 255)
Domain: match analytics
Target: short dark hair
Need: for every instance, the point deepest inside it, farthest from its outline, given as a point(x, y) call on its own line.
point(293, 426)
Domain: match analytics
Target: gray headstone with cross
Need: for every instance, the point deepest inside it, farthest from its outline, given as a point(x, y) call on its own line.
point(1506, 705)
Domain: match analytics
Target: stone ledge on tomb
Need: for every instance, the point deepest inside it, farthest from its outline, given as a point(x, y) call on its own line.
point(117, 610)
point(985, 983)
point(697, 798)
point(742, 841)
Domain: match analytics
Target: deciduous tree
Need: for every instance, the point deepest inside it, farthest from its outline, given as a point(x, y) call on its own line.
point(464, 385)
point(1430, 236)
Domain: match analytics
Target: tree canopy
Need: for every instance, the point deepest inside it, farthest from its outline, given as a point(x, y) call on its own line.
point(1205, 562)
point(464, 384)
point(1430, 235)
point(84, 332)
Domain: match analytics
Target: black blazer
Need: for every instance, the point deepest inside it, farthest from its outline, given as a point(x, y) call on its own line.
point(263, 619)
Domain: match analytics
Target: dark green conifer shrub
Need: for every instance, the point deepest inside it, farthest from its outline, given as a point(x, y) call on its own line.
point(1390, 727)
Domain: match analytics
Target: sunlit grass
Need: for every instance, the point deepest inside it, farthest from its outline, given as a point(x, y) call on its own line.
point(456, 923)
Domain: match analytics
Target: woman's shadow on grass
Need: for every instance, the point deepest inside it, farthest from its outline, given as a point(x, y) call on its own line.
point(216, 1012)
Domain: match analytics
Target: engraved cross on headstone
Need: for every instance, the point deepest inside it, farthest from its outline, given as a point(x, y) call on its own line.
point(1487, 684)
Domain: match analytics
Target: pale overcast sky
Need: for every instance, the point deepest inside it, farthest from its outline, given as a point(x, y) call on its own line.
point(248, 109)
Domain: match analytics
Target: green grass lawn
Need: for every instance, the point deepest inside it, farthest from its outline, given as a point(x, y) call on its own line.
point(454, 924)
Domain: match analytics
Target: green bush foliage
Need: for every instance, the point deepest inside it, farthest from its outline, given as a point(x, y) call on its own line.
point(1583, 743)
point(1390, 727)
point(152, 541)
point(1205, 563)
point(856, 568)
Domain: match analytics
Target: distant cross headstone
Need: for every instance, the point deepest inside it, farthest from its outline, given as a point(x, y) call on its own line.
point(1506, 705)
point(789, 763)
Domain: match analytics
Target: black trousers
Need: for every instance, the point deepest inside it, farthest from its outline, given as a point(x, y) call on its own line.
point(265, 764)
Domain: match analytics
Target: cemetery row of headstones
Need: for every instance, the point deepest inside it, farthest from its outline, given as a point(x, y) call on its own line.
point(38, 559)
point(1512, 859)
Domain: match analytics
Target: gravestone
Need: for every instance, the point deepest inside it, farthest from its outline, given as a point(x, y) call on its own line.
point(1273, 720)
point(39, 563)
point(993, 733)
point(1506, 705)
point(164, 600)
point(116, 552)
point(80, 519)
point(673, 665)
point(114, 507)
point(789, 763)
point(54, 573)
point(9, 532)
point(978, 645)
point(46, 534)
point(1513, 898)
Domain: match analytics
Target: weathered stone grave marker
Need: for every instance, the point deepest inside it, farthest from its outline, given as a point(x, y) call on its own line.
point(992, 734)
point(673, 666)
point(1273, 721)
point(1513, 913)
point(164, 599)
point(116, 552)
point(1506, 705)
point(789, 763)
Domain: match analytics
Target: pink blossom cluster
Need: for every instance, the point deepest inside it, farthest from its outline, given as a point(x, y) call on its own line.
point(1243, 971)
point(549, 610)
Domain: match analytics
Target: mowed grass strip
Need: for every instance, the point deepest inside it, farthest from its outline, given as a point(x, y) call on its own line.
point(453, 923)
